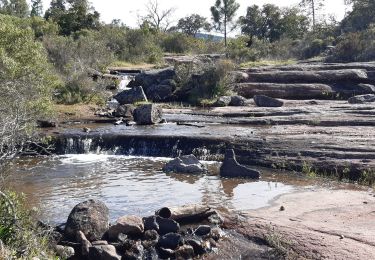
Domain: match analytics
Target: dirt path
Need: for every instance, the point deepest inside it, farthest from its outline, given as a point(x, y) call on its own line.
point(318, 224)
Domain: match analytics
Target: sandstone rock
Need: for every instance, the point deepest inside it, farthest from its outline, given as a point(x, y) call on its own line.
point(237, 101)
point(184, 252)
point(264, 101)
point(128, 225)
point(185, 164)
point(64, 252)
point(170, 241)
point(124, 111)
point(197, 245)
point(151, 77)
point(131, 96)
point(223, 101)
point(85, 244)
point(91, 217)
point(103, 252)
point(362, 99)
point(231, 168)
point(135, 252)
point(159, 93)
point(100, 243)
point(148, 114)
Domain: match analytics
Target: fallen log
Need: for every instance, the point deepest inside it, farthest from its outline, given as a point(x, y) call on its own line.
point(186, 214)
point(331, 76)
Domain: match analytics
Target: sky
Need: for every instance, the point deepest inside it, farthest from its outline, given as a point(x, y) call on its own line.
point(128, 11)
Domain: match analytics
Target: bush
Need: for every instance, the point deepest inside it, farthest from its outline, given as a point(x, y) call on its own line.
point(358, 46)
point(239, 51)
point(19, 232)
point(177, 43)
point(315, 48)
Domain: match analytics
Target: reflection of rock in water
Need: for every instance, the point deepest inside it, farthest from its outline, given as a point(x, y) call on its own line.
point(228, 185)
point(187, 178)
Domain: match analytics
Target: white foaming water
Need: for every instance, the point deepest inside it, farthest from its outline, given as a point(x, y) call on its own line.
point(124, 83)
point(89, 158)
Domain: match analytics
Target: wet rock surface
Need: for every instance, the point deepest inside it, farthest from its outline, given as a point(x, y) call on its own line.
point(362, 99)
point(185, 164)
point(131, 96)
point(264, 101)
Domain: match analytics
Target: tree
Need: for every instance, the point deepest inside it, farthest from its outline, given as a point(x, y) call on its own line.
point(73, 15)
point(36, 8)
point(312, 7)
point(17, 8)
point(361, 17)
point(223, 13)
point(252, 23)
point(191, 25)
point(156, 18)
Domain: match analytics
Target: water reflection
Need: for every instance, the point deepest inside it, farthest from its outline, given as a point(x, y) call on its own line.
point(131, 185)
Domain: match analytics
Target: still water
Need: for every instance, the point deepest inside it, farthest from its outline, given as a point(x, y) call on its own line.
point(132, 185)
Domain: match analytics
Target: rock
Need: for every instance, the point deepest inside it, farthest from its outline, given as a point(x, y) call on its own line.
point(151, 254)
point(99, 243)
point(185, 164)
point(216, 219)
point(170, 241)
point(264, 101)
point(231, 168)
point(122, 237)
point(46, 124)
point(128, 225)
point(148, 114)
point(237, 101)
point(282, 208)
point(217, 233)
point(362, 99)
point(167, 226)
point(152, 77)
point(160, 92)
point(126, 111)
point(131, 96)
point(166, 253)
point(151, 235)
point(238, 76)
point(150, 223)
point(202, 230)
point(64, 252)
point(184, 252)
point(91, 217)
point(197, 245)
point(223, 101)
point(103, 252)
point(85, 244)
point(135, 252)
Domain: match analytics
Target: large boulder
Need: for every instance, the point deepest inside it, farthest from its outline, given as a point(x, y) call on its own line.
point(152, 77)
point(232, 169)
point(223, 101)
point(161, 92)
point(237, 101)
point(185, 164)
point(125, 111)
point(170, 241)
point(91, 217)
point(131, 96)
point(128, 225)
point(264, 101)
point(148, 114)
point(103, 252)
point(362, 99)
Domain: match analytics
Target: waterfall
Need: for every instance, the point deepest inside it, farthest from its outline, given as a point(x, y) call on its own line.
point(125, 82)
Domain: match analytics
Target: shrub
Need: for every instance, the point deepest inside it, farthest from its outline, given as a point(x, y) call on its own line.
point(177, 43)
point(239, 51)
point(357, 46)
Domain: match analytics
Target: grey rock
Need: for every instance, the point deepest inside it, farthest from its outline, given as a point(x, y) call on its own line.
point(131, 96)
point(160, 92)
point(232, 169)
point(264, 101)
point(99, 243)
point(223, 101)
point(362, 99)
point(151, 254)
point(103, 252)
point(148, 114)
point(166, 253)
point(202, 230)
point(128, 225)
point(185, 164)
point(150, 223)
point(151, 235)
point(197, 245)
point(91, 217)
point(237, 101)
point(126, 111)
point(135, 252)
point(151, 77)
point(185, 252)
point(170, 241)
point(64, 252)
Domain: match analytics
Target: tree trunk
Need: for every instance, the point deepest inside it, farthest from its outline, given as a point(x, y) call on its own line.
point(225, 30)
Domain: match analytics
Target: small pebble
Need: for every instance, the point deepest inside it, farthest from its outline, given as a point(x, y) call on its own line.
point(282, 208)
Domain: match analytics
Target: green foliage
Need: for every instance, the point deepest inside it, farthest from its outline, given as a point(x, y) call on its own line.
point(192, 24)
point(36, 8)
point(17, 8)
point(361, 17)
point(73, 15)
point(239, 51)
point(356, 46)
point(18, 229)
point(223, 13)
point(177, 43)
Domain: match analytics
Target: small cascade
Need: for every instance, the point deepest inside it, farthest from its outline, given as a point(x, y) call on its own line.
point(125, 82)
point(86, 145)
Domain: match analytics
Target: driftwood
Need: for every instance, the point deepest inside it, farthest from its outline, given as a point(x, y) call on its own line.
point(186, 214)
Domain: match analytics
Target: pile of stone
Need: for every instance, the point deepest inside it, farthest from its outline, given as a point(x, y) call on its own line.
point(172, 233)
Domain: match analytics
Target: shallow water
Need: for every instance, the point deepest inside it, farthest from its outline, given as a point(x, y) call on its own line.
point(132, 185)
